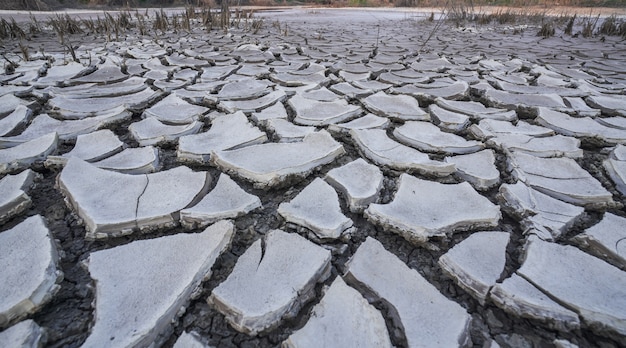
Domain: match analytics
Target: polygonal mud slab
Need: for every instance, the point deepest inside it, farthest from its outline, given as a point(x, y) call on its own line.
point(613, 122)
point(425, 94)
point(553, 146)
point(427, 137)
point(368, 121)
point(589, 286)
point(155, 64)
point(561, 178)
point(252, 105)
point(400, 107)
point(244, 89)
point(23, 155)
point(153, 75)
point(298, 64)
point(276, 111)
point(9, 103)
point(350, 91)
point(519, 297)
point(218, 72)
point(437, 65)
point(311, 112)
point(347, 76)
point(173, 85)
point(70, 109)
point(583, 110)
point(282, 66)
point(551, 79)
point(28, 269)
point(145, 52)
point(66, 130)
point(308, 68)
point(383, 62)
point(291, 91)
point(317, 208)
point(18, 91)
point(253, 70)
point(477, 168)
point(435, 81)
point(321, 94)
point(546, 216)
point(226, 201)
point(185, 60)
point(343, 318)
point(580, 126)
point(492, 65)
point(271, 164)
point(469, 76)
point(13, 196)
point(113, 204)
point(617, 171)
point(129, 86)
point(384, 151)
point(272, 280)
point(610, 105)
point(174, 110)
point(249, 53)
point(135, 305)
point(397, 80)
point(355, 68)
point(227, 132)
point(477, 262)
point(139, 160)
point(293, 62)
point(198, 93)
point(528, 90)
point(18, 117)
point(91, 147)
point(421, 209)
point(25, 334)
point(429, 319)
point(417, 76)
point(102, 75)
point(359, 182)
point(448, 120)
point(57, 74)
point(151, 131)
point(487, 129)
point(514, 101)
point(606, 239)
point(291, 79)
point(287, 132)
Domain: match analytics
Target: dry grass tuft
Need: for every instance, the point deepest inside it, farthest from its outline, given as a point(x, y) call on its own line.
point(570, 25)
point(24, 50)
point(613, 26)
point(589, 26)
point(547, 30)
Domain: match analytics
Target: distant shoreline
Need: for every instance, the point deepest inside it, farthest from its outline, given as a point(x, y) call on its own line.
point(86, 13)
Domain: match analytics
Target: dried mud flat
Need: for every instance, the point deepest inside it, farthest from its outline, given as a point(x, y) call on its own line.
point(325, 178)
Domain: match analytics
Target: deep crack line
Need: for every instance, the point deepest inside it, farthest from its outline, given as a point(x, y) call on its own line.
point(263, 246)
point(617, 244)
point(139, 199)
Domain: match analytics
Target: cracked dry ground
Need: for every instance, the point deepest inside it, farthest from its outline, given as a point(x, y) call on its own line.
point(328, 180)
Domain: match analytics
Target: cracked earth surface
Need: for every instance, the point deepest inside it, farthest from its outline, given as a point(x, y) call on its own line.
point(334, 178)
